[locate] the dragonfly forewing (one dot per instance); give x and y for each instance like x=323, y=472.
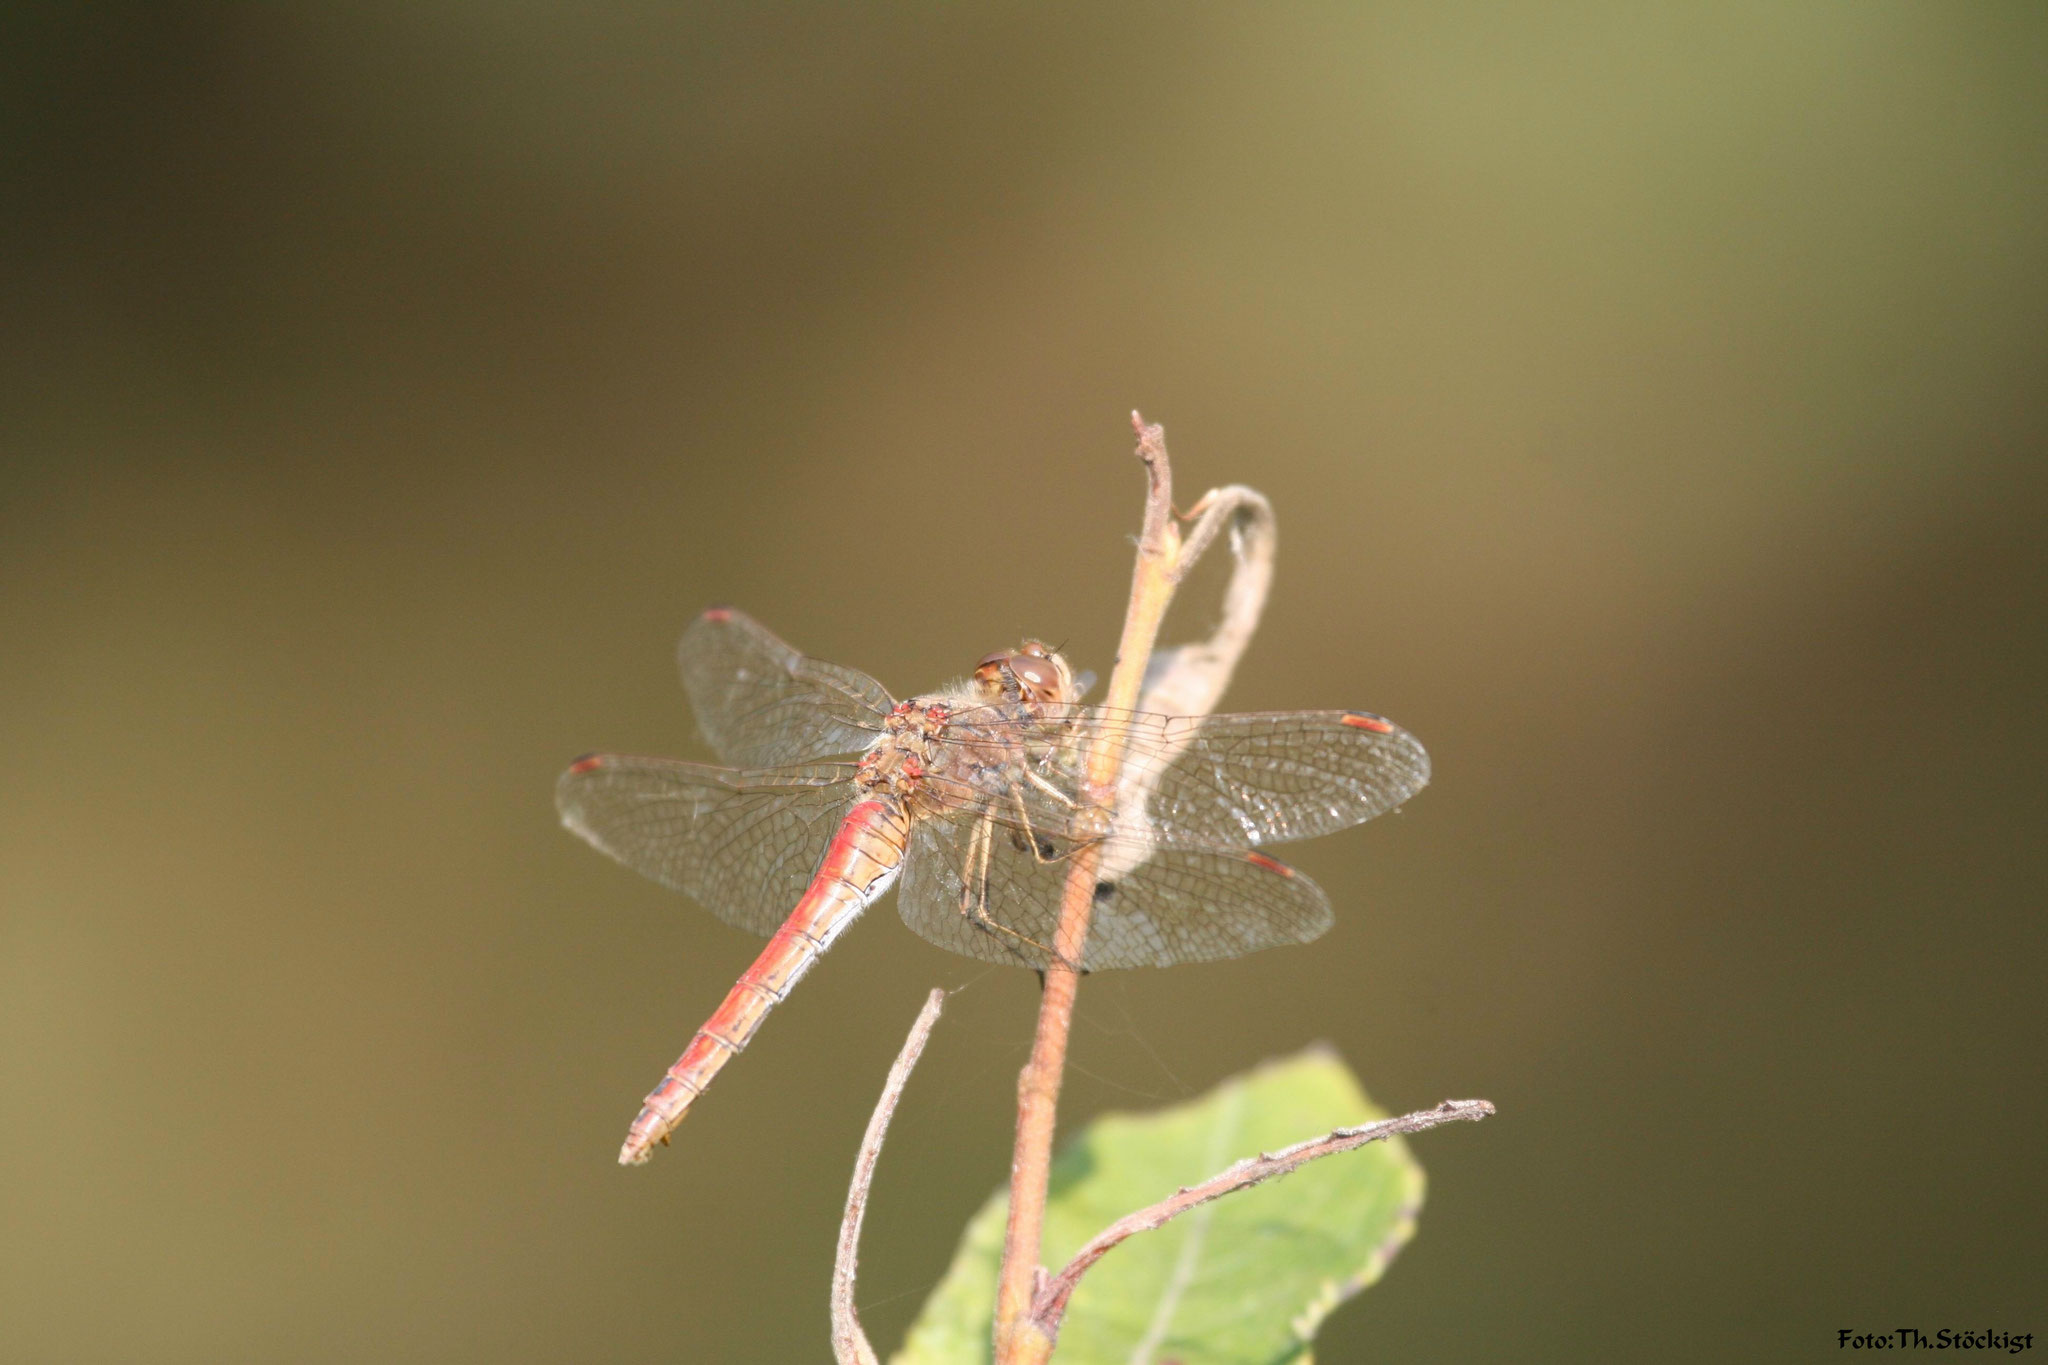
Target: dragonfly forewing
x=1241, y=780
x=761, y=703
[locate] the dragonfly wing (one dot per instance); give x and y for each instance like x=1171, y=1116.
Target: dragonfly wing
x=1172, y=905
x=1269, y=778
x=762, y=704
x=1229, y=781
x=743, y=844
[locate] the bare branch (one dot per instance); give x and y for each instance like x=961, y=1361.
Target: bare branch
x=1018, y=1339
x=1052, y=1299
x=1188, y=680
x=849, y=1343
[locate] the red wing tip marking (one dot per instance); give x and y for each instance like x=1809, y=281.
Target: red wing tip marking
x=719, y=614
x=1270, y=864
x=1359, y=720
x=587, y=763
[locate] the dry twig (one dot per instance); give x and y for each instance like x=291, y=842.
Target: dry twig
x=1188, y=680
x=1190, y=685
x=1052, y=1299
x=850, y=1344
x=1184, y=681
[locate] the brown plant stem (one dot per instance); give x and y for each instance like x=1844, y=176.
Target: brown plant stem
x=1019, y=1339
x=1051, y=1306
x=849, y=1343
x=1188, y=680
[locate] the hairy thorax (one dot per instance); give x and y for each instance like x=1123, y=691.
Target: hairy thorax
x=945, y=751
x=908, y=751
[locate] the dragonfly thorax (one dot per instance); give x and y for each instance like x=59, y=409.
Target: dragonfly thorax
x=907, y=751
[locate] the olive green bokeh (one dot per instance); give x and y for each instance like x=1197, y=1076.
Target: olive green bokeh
x=1652, y=402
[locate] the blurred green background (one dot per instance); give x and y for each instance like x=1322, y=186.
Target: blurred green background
x=1653, y=402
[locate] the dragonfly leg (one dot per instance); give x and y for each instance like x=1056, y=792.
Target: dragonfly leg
x=984, y=838
x=1050, y=790
x=974, y=894
x=1036, y=846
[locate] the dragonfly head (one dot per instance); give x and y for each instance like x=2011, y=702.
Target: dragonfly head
x=1033, y=674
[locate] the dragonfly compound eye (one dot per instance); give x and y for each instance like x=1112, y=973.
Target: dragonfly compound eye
x=989, y=672
x=1035, y=674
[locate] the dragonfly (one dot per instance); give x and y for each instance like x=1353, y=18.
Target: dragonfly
x=977, y=797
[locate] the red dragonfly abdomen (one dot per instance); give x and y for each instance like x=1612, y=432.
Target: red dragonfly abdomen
x=860, y=862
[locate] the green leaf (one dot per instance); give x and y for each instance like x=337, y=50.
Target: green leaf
x=1244, y=1280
